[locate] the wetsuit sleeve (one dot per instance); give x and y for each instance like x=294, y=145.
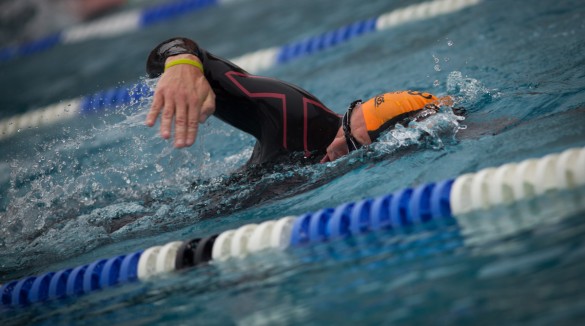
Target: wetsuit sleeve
x=155, y=64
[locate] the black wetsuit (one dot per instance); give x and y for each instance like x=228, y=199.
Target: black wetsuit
x=283, y=118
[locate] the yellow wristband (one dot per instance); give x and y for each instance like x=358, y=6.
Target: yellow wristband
x=185, y=62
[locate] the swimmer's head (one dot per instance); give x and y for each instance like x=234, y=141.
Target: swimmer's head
x=364, y=122
x=384, y=111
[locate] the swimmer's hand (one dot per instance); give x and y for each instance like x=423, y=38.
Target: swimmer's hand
x=182, y=93
x=337, y=148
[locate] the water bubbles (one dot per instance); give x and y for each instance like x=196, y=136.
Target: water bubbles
x=468, y=91
x=436, y=83
x=449, y=43
x=437, y=60
x=158, y=168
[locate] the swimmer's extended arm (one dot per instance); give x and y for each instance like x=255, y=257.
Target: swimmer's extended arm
x=182, y=93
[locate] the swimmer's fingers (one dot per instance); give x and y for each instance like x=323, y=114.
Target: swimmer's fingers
x=336, y=149
x=331, y=155
x=192, y=123
x=208, y=107
x=199, y=111
x=167, y=118
x=155, y=108
x=181, y=116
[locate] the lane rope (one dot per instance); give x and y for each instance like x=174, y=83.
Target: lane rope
x=451, y=199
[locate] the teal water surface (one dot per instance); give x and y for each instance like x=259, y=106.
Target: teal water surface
x=104, y=185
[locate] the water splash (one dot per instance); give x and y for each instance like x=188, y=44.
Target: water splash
x=469, y=92
x=79, y=187
x=434, y=132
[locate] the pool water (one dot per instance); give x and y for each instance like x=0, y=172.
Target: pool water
x=104, y=184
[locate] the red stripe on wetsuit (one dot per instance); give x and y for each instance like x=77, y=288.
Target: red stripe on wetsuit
x=283, y=98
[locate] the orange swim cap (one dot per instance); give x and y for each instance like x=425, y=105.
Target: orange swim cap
x=385, y=110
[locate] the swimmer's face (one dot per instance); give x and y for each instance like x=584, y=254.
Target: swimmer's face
x=338, y=146
x=358, y=126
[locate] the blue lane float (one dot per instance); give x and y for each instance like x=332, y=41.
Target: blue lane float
x=169, y=11
x=447, y=200
x=324, y=41
x=39, y=291
x=400, y=209
x=114, y=97
x=91, y=279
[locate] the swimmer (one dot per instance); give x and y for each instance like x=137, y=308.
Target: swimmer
x=285, y=119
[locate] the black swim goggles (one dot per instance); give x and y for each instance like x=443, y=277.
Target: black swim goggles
x=352, y=143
